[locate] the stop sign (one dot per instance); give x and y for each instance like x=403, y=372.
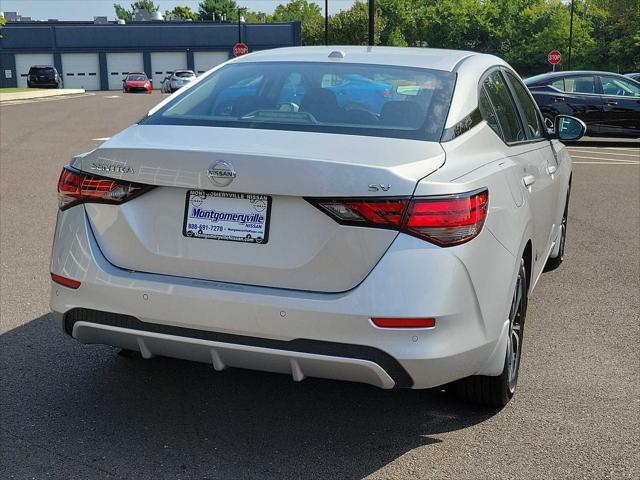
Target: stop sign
x=240, y=49
x=554, y=57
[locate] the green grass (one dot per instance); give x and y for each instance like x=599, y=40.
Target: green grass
x=13, y=90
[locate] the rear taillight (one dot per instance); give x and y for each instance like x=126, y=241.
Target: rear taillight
x=445, y=220
x=381, y=213
x=76, y=187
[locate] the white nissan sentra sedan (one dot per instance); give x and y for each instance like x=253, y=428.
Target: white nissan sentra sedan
x=376, y=215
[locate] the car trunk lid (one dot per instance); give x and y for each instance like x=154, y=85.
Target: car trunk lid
x=306, y=249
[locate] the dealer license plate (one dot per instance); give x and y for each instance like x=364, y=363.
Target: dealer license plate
x=235, y=217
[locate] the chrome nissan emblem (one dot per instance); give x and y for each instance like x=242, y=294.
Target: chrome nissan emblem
x=221, y=173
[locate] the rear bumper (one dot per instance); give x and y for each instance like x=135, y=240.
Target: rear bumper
x=137, y=89
x=300, y=358
x=32, y=84
x=296, y=332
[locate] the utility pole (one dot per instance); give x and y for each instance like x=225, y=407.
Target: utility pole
x=372, y=22
x=239, y=27
x=326, y=22
x=570, y=37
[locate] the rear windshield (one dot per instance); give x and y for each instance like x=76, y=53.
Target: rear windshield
x=185, y=74
x=356, y=99
x=137, y=78
x=41, y=71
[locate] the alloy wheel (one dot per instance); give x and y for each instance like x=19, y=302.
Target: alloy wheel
x=516, y=330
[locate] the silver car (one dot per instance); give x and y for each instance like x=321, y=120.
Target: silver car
x=177, y=80
x=377, y=215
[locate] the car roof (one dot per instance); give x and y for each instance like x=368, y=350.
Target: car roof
x=433, y=58
x=136, y=73
x=543, y=77
x=183, y=70
x=42, y=66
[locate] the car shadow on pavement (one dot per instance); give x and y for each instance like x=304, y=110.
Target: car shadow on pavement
x=71, y=410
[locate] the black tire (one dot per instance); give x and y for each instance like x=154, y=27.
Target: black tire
x=495, y=392
x=554, y=262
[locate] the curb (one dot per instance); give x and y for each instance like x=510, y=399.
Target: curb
x=8, y=97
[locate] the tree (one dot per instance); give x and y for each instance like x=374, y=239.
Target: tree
x=401, y=22
x=182, y=12
x=545, y=27
x=616, y=34
x=2, y=22
x=310, y=16
x=257, y=17
x=351, y=27
x=127, y=15
x=122, y=13
x=147, y=5
x=208, y=9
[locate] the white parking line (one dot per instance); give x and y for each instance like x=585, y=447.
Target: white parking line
x=621, y=160
x=604, y=163
x=101, y=139
x=610, y=160
x=595, y=152
x=631, y=145
x=8, y=103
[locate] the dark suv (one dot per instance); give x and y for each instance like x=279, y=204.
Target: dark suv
x=43, y=76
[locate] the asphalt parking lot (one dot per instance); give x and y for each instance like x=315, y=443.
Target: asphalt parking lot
x=74, y=411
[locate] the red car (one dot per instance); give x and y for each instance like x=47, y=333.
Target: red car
x=137, y=82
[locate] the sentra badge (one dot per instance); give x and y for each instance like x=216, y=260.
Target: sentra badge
x=111, y=168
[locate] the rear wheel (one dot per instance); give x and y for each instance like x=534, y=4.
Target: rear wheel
x=497, y=391
x=555, y=261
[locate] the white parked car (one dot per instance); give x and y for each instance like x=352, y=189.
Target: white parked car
x=373, y=215
x=177, y=80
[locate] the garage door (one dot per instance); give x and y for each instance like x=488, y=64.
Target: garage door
x=164, y=63
x=204, y=61
x=24, y=61
x=120, y=64
x=81, y=70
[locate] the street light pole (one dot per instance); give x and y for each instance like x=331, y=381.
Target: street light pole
x=372, y=22
x=326, y=22
x=570, y=37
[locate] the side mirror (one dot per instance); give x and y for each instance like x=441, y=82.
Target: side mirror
x=569, y=128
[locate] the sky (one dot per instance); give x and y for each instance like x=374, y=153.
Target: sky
x=87, y=9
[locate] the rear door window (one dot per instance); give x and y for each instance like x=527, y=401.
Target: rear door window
x=505, y=108
x=529, y=108
x=619, y=87
x=42, y=71
x=487, y=112
x=582, y=84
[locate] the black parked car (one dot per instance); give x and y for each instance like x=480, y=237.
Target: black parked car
x=607, y=102
x=43, y=76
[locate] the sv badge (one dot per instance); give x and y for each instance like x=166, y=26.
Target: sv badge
x=376, y=187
